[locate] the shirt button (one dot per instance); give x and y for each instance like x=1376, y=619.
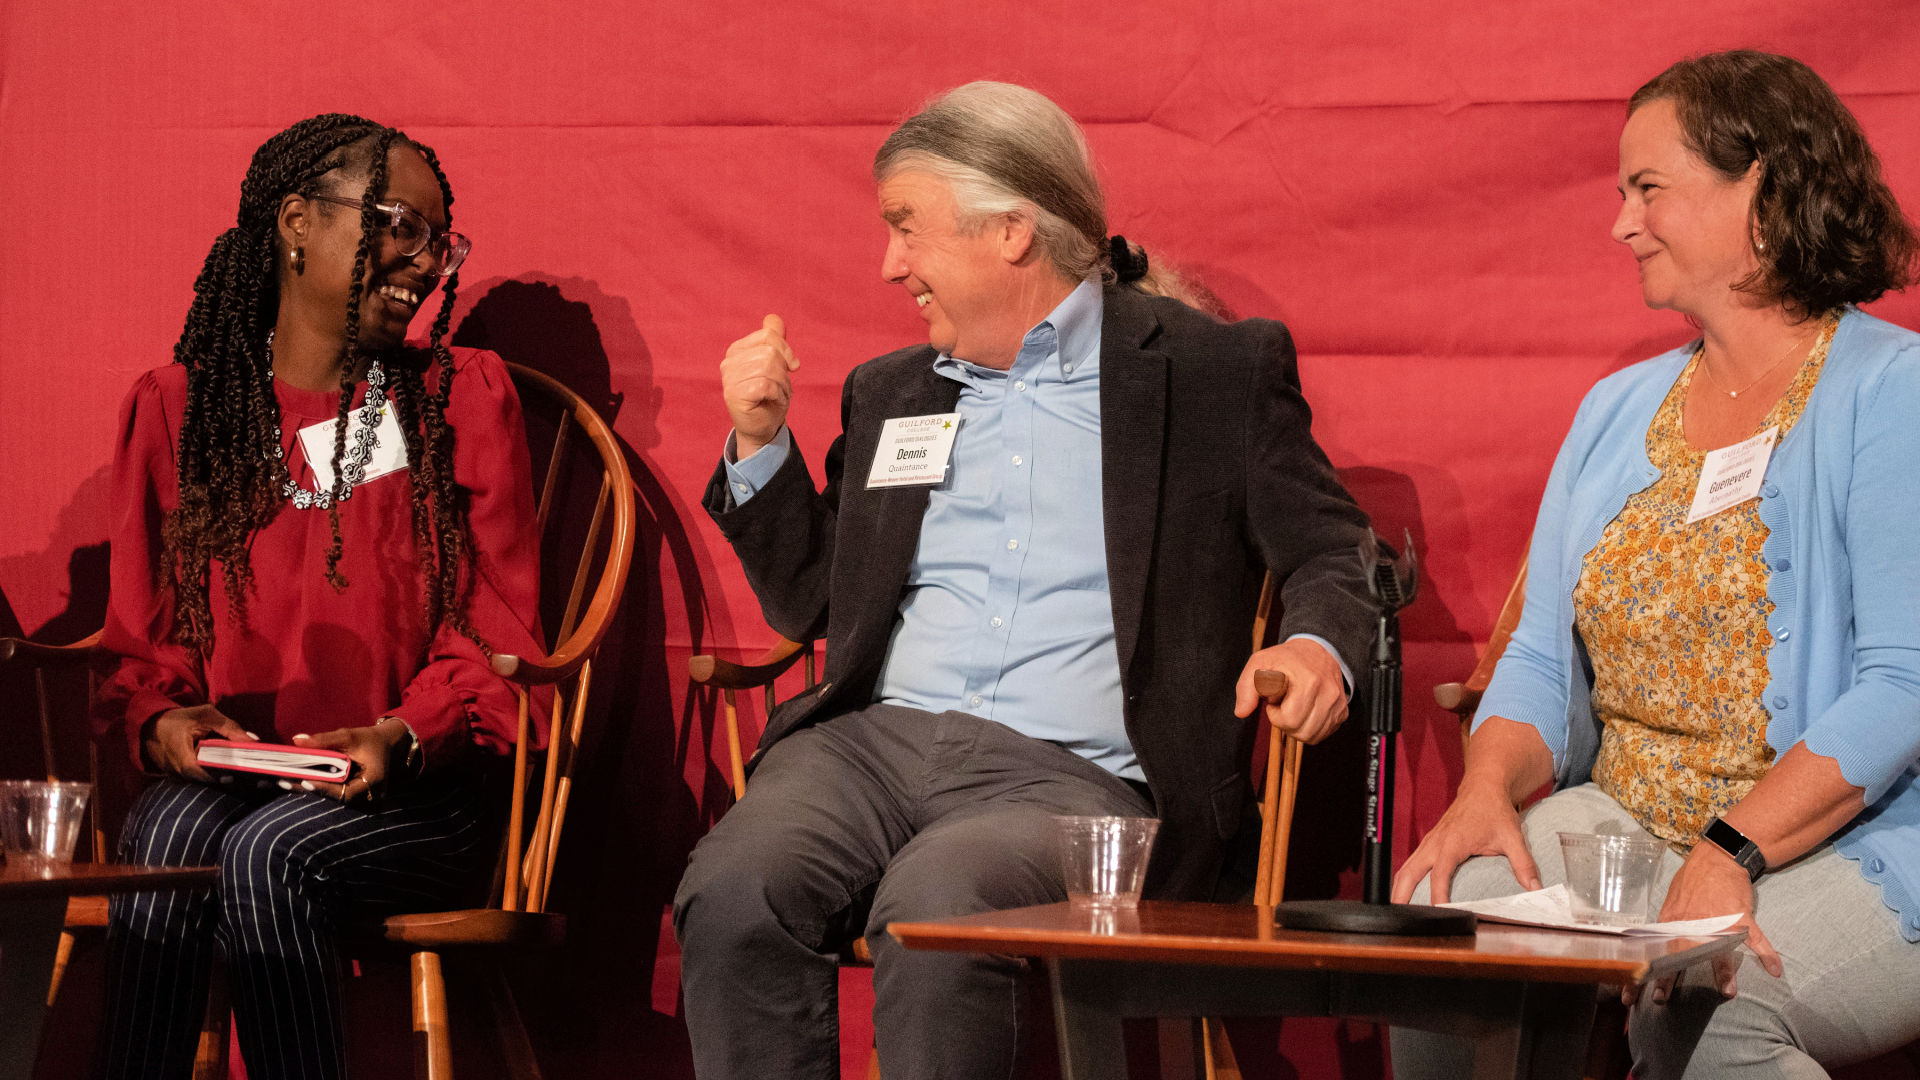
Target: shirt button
x=974, y=701
x=1016, y=459
x=1780, y=701
x=1021, y=385
x=996, y=620
x=743, y=489
x=1068, y=368
x=1013, y=545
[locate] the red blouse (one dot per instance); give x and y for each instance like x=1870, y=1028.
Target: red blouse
x=311, y=659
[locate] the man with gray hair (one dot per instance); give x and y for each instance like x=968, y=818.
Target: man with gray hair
x=1034, y=562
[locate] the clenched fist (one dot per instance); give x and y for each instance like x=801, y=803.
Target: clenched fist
x=756, y=385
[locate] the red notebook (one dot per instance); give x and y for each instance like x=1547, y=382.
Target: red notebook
x=275, y=759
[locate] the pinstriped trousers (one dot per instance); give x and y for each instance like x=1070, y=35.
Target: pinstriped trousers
x=294, y=869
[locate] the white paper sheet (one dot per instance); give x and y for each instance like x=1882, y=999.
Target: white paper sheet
x=1551, y=907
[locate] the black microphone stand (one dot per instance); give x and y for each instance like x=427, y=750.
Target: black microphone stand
x=1393, y=582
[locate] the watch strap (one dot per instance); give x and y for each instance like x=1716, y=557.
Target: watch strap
x=1735, y=843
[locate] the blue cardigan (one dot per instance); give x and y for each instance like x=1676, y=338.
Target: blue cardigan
x=1842, y=500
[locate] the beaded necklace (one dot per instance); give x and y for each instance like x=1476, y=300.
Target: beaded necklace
x=353, y=466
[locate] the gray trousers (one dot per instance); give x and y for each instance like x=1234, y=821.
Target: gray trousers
x=1851, y=989
x=923, y=817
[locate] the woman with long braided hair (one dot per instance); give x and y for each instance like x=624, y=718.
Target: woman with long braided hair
x=302, y=455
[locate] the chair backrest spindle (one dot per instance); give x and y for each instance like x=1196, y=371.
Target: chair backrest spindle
x=545, y=501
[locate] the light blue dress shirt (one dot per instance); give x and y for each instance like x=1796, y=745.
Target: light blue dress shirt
x=1006, y=612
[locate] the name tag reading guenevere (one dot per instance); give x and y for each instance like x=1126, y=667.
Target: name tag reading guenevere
x=913, y=450
x=1732, y=474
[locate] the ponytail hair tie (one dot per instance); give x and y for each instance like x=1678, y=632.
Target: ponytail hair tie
x=1129, y=266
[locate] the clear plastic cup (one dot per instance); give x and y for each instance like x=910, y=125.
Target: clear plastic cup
x=1104, y=859
x=1610, y=877
x=40, y=820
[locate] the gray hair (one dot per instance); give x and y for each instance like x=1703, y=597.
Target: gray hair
x=1005, y=149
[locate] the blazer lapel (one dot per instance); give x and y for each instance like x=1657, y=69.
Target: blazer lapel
x=1133, y=415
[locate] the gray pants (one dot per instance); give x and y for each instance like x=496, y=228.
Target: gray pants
x=927, y=817
x=1851, y=989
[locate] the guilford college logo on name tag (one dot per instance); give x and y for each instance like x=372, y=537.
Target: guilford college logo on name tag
x=913, y=450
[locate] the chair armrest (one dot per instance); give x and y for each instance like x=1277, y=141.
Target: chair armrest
x=1457, y=698
x=79, y=654
x=1463, y=698
x=532, y=671
x=710, y=670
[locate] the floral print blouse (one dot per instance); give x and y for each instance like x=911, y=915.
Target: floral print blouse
x=1674, y=618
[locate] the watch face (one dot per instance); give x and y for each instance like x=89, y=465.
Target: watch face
x=1734, y=843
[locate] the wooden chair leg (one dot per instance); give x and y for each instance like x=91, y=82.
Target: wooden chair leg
x=1221, y=1064
x=516, y=1050
x=216, y=1030
x=60, y=957
x=1608, y=1057
x=432, y=1046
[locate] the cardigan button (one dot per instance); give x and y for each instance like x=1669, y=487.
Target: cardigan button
x=1780, y=701
x=1877, y=866
x=1782, y=634
x=1771, y=491
x=1783, y=563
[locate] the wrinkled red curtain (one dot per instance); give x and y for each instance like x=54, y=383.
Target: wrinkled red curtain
x=1421, y=190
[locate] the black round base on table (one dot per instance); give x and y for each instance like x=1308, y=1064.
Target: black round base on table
x=1356, y=917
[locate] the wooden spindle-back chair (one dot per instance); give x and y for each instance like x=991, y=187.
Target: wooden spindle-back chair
x=536, y=814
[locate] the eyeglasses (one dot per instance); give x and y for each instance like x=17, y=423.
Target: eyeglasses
x=412, y=234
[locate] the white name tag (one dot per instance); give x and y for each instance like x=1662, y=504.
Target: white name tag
x=913, y=450
x=1731, y=475
x=389, y=448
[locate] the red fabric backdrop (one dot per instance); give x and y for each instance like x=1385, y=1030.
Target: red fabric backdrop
x=1422, y=190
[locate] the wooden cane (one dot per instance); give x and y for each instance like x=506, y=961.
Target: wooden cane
x=1272, y=686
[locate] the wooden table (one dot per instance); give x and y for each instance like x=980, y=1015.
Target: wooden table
x=1525, y=996
x=33, y=909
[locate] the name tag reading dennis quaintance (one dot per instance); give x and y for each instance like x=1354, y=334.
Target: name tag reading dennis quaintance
x=913, y=450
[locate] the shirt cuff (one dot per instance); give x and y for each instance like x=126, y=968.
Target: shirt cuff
x=1345, y=672
x=746, y=478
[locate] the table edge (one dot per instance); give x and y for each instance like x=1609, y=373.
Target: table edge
x=1227, y=952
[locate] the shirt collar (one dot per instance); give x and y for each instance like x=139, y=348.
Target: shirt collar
x=1070, y=332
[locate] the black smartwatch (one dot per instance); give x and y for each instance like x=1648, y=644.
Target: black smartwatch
x=1735, y=843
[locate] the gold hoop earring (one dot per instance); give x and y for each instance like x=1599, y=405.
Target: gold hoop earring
x=298, y=257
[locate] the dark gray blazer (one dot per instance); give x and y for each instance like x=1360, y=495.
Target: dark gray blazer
x=1210, y=476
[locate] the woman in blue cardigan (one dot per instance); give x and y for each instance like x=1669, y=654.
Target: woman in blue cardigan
x=1728, y=659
